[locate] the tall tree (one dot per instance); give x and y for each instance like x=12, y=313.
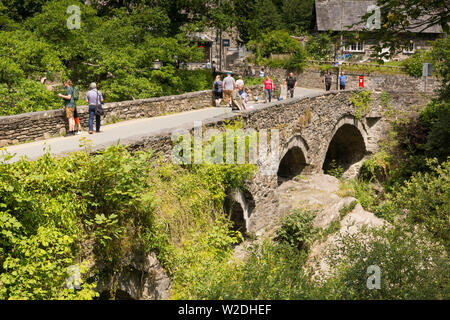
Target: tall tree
x=256, y=17
x=297, y=14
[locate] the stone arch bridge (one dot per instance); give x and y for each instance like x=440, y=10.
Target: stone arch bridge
x=316, y=132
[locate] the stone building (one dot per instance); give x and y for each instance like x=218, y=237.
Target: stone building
x=344, y=15
x=226, y=55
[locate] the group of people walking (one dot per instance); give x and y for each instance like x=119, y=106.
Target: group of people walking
x=231, y=91
x=94, y=98
x=235, y=95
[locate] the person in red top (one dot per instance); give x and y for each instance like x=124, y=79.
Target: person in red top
x=269, y=85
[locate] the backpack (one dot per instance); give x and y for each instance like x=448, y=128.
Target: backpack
x=216, y=86
x=76, y=94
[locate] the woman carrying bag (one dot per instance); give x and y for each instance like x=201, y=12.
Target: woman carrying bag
x=95, y=99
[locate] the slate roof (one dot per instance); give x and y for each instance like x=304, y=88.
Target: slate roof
x=332, y=15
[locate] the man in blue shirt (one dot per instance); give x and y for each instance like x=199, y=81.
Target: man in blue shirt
x=94, y=98
x=342, y=80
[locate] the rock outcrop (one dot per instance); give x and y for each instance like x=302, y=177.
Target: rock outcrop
x=141, y=278
x=318, y=192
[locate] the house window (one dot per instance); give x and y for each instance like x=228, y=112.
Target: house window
x=410, y=48
x=354, y=47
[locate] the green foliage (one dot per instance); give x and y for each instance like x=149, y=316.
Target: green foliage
x=414, y=64
x=376, y=167
x=270, y=272
x=36, y=268
x=278, y=41
x=28, y=96
x=412, y=267
x=435, y=118
x=335, y=169
x=58, y=212
x=256, y=17
x=361, y=100
x=385, y=99
x=297, y=229
x=440, y=55
x=116, y=51
x=425, y=199
x=297, y=15
x=319, y=47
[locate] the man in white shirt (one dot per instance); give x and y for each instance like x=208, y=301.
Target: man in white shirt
x=229, y=84
x=240, y=82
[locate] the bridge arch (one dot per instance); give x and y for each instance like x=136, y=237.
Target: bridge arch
x=239, y=205
x=347, y=144
x=293, y=160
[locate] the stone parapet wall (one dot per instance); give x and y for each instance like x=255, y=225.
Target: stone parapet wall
x=377, y=82
x=46, y=124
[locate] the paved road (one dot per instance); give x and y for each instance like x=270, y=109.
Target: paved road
x=112, y=134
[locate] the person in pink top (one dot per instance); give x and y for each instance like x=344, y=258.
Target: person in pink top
x=269, y=85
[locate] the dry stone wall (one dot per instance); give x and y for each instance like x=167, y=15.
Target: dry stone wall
x=376, y=82
x=45, y=124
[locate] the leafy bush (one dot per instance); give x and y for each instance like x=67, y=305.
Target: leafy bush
x=278, y=41
x=335, y=169
x=59, y=212
x=411, y=268
x=411, y=265
x=319, y=47
x=361, y=100
x=297, y=229
x=414, y=64
x=362, y=191
x=435, y=118
x=27, y=96
x=425, y=199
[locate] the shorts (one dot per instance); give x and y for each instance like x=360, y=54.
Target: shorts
x=218, y=95
x=342, y=86
x=227, y=95
x=70, y=112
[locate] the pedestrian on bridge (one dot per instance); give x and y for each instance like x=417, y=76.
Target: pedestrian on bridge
x=69, y=105
x=291, y=84
x=240, y=82
x=236, y=100
x=229, y=84
x=95, y=99
x=328, y=79
x=269, y=86
x=218, y=90
x=342, y=81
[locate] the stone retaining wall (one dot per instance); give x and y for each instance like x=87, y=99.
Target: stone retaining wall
x=377, y=82
x=45, y=124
